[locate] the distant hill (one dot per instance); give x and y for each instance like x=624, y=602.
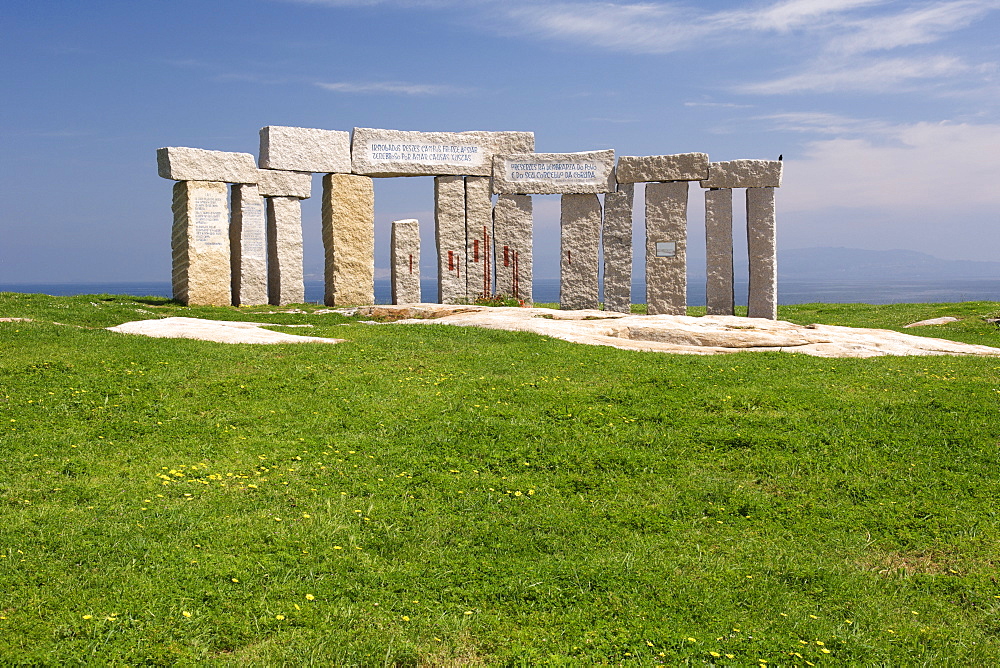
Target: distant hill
x=857, y=264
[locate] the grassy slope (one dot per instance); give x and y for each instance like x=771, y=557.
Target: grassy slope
x=426, y=494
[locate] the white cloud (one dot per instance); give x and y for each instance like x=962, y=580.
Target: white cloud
x=888, y=74
x=388, y=87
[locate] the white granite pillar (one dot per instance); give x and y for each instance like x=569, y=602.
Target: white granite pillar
x=719, y=251
x=580, y=233
x=666, y=248
x=449, y=237
x=200, y=244
x=348, y=239
x=478, y=237
x=285, y=280
x=248, y=245
x=404, y=249
x=762, y=248
x=617, y=241
x=512, y=227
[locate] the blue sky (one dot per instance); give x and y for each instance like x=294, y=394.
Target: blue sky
x=887, y=112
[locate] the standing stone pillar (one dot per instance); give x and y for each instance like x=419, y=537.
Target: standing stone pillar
x=200, y=244
x=666, y=248
x=478, y=237
x=349, y=239
x=719, y=251
x=248, y=245
x=449, y=237
x=285, y=280
x=512, y=223
x=617, y=240
x=404, y=249
x=580, y=233
x=763, y=300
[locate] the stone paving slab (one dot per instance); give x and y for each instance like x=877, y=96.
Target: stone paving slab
x=219, y=331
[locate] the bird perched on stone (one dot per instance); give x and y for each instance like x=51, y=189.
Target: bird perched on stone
x=780, y=157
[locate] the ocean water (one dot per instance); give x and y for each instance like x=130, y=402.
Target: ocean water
x=547, y=290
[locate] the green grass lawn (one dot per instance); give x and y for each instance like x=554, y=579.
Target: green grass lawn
x=433, y=495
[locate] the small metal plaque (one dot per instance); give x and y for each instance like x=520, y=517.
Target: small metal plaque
x=666, y=248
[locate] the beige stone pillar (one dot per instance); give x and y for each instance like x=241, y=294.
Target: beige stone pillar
x=719, y=251
x=349, y=239
x=666, y=248
x=617, y=240
x=200, y=244
x=449, y=237
x=478, y=237
x=248, y=245
x=762, y=248
x=404, y=249
x=285, y=280
x=512, y=227
x=580, y=233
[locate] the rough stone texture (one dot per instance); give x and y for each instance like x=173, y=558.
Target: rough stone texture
x=617, y=237
x=944, y=320
x=220, y=331
x=707, y=335
x=449, y=238
x=248, y=245
x=512, y=228
x=197, y=164
x=762, y=249
x=349, y=239
x=554, y=173
x=404, y=251
x=200, y=244
x=666, y=220
x=678, y=167
x=478, y=237
x=407, y=153
x=305, y=149
x=285, y=282
x=279, y=183
x=743, y=174
x=580, y=233
x=719, y=251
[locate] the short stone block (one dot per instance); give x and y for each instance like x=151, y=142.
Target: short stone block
x=200, y=244
x=512, y=246
x=720, y=298
x=617, y=237
x=196, y=164
x=743, y=174
x=478, y=237
x=588, y=172
x=404, y=249
x=248, y=245
x=762, y=249
x=285, y=280
x=580, y=233
x=305, y=149
x=377, y=152
x=666, y=248
x=349, y=239
x=678, y=167
x=449, y=238
x=279, y=183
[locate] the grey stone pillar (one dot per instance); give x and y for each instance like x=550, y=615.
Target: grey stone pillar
x=404, y=249
x=285, y=281
x=248, y=245
x=763, y=300
x=580, y=233
x=719, y=251
x=200, y=244
x=478, y=237
x=666, y=248
x=449, y=237
x=512, y=226
x=348, y=240
x=617, y=239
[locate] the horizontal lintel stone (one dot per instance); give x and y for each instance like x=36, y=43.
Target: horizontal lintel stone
x=407, y=153
x=281, y=183
x=305, y=149
x=589, y=172
x=743, y=174
x=650, y=168
x=197, y=164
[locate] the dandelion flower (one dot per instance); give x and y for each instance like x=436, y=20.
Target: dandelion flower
x=405, y=618
x=310, y=597
x=186, y=613
x=235, y=580
x=88, y=616
x=467, y=612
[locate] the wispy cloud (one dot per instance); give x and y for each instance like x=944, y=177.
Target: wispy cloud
x=719, y=105
x=877, y=75
x=389, y=88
